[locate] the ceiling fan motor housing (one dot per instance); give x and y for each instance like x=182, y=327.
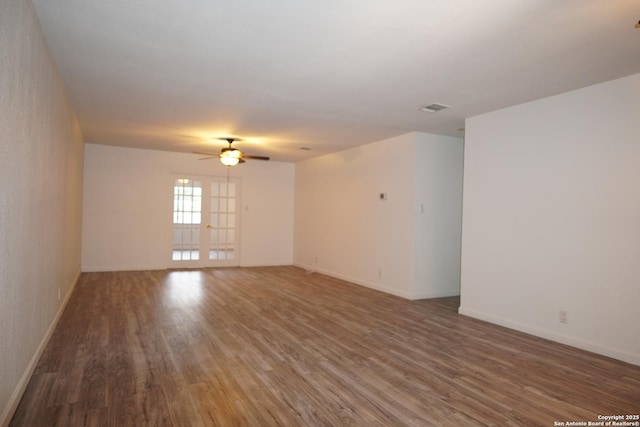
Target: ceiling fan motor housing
x=231, y=152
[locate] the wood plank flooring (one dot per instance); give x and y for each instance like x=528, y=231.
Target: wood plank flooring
x=275, y=346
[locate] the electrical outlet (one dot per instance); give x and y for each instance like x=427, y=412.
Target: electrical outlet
x=562, y=317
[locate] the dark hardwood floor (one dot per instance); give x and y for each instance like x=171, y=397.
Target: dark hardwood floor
x=276, y=346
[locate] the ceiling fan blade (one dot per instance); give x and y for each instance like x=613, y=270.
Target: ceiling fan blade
x=255, y=157
x=205, y=153
x=207, y=158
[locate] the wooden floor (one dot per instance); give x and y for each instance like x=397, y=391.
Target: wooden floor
x=277, y=346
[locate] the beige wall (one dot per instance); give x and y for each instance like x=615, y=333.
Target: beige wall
x=41, y=156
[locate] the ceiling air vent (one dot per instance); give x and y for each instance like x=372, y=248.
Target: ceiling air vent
x=434, y=108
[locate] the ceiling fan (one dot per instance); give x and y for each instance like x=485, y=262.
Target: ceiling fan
x=230, y=156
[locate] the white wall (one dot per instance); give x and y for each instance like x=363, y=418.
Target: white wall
x=128, y=199
x=343, y=229
x=40, y=199
x=437, y=215
x=552, y=218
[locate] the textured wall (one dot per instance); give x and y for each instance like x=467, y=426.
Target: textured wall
x=40, y=196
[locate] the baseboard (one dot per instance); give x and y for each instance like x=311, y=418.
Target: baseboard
x=552, y=336
x=14, y=400
x=260, y=265
x=406, y=295
x=437, y=294
x=98, y=269
x=355, y=281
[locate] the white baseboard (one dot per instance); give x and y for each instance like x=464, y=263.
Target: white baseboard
x=436, y=294
x=359, y=282
x=552, y=336
x=14, y=400
x=259, y=265
x=98, y=269
x=377, y=287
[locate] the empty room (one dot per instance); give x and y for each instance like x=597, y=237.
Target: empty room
x=297, y=213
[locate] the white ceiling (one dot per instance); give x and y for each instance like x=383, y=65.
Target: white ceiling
x=285, y=74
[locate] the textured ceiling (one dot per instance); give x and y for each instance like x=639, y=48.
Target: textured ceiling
x=175, y=74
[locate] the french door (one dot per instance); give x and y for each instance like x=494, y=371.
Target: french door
x=205, y=221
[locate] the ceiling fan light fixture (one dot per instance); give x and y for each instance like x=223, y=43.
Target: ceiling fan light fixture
x=230, y=156
x=229, y=161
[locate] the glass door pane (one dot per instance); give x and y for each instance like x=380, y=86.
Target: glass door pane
x=187, y=219
x=222, y=220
